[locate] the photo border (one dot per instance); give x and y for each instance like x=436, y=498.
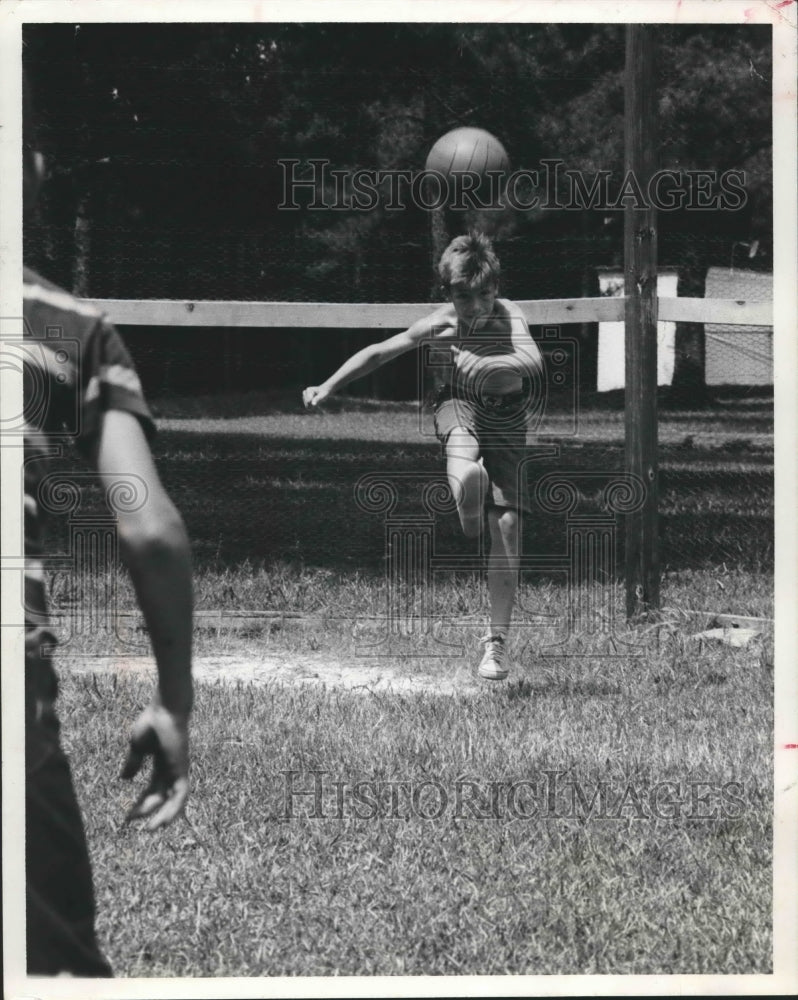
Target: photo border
x=782, y=15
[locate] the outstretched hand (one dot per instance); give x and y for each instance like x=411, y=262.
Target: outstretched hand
x=159, y=733
x=313, y=395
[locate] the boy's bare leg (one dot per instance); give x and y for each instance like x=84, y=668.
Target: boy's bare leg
x=503, y=563
x=468, y=479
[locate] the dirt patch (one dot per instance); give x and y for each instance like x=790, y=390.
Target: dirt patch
x=361, y=675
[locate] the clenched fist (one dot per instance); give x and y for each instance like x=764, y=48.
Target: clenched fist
x=313, y=395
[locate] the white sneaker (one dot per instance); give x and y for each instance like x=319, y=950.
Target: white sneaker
x=493, y=666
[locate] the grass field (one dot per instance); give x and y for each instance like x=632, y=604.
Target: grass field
x=607, y=810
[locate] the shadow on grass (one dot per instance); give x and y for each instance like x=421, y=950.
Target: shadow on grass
x=253, y=498
x=261, y=498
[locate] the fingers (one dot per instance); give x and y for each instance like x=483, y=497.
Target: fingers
x=172, y=807
x=166, y=815
x=162, y=806
x=132, y=764
x=313, y=396
x=145, y=804
x=143, y=741
x=158, y=734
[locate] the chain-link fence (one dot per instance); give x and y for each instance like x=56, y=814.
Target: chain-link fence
x=174, y=210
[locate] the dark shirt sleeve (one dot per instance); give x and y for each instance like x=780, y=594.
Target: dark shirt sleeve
x=108, y=382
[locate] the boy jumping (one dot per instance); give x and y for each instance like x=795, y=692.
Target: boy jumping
x=481, y=413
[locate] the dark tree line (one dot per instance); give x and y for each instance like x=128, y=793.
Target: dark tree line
x=165, y=142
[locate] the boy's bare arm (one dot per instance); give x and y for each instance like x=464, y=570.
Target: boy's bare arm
x=155, y=548
x=375, y=355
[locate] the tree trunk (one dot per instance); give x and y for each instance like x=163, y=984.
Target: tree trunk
x=439, y=231
x=82, y=240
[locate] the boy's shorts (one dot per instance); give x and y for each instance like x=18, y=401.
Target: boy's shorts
x=500, y=426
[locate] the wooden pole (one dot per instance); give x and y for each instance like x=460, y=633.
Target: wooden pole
x=640, y=288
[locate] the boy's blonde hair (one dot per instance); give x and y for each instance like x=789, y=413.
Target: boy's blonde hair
x=469, y=260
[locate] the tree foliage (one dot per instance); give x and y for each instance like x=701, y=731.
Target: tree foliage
x=172, y=136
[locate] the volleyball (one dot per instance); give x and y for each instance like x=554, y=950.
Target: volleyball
x=470, y=150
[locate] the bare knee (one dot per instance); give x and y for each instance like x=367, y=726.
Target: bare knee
x=461, y=444
x=504, y=528
x=154, y=532
x=506, y=520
